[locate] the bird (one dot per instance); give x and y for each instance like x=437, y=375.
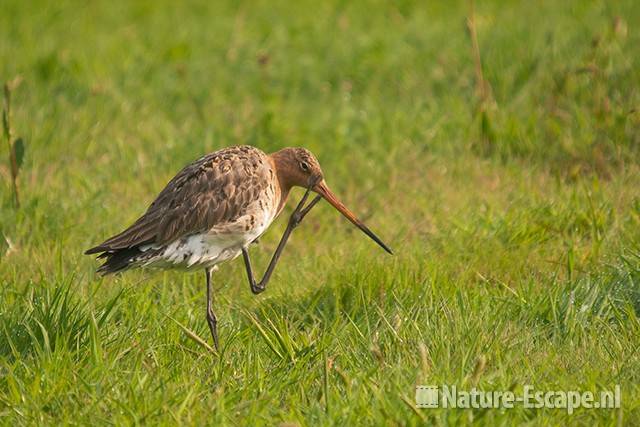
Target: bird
x=214, y=208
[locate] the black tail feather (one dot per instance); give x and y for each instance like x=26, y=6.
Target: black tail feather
x=118, y=260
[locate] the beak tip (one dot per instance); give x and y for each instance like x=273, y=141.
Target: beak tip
x=383, y=245
x=322, y=189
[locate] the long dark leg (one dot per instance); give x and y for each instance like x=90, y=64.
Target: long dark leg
x=295, y=219
x=211, y=317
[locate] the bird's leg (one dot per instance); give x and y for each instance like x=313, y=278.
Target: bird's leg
x=298, y=214
x=211, y=317
x=296, y=217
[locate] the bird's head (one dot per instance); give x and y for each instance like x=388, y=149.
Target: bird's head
x=299, y=167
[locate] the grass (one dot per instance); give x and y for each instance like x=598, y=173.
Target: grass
x=515, y=219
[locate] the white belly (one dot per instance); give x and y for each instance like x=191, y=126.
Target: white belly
x=206, y=250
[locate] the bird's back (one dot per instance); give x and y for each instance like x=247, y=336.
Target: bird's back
x=205, y=215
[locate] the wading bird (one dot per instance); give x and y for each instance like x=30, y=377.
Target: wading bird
x=214, y=208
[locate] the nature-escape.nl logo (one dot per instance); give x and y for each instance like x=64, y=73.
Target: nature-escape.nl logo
x=448, y=396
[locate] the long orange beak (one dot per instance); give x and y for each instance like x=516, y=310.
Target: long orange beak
x=322, y=189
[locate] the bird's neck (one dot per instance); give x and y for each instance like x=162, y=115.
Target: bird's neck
x=281, y=166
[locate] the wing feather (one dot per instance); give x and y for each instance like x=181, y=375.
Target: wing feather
x=212, y=191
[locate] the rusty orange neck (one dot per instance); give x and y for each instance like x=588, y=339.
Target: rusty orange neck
x=282, y=165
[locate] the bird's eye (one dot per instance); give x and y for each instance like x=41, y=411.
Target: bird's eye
x=304, y=166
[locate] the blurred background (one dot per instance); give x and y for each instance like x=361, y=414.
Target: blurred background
x=392, y=97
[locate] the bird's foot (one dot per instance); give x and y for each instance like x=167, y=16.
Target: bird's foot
x=301, y=211
x=257, y=288
x=296, y=219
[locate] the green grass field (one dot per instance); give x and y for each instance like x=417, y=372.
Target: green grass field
x=515, y=218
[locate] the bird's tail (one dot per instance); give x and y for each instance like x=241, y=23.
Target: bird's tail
x=119, y=260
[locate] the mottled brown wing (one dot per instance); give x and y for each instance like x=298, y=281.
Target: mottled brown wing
x=213, y=190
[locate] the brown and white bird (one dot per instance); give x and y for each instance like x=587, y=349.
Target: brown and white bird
x=214, y=208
